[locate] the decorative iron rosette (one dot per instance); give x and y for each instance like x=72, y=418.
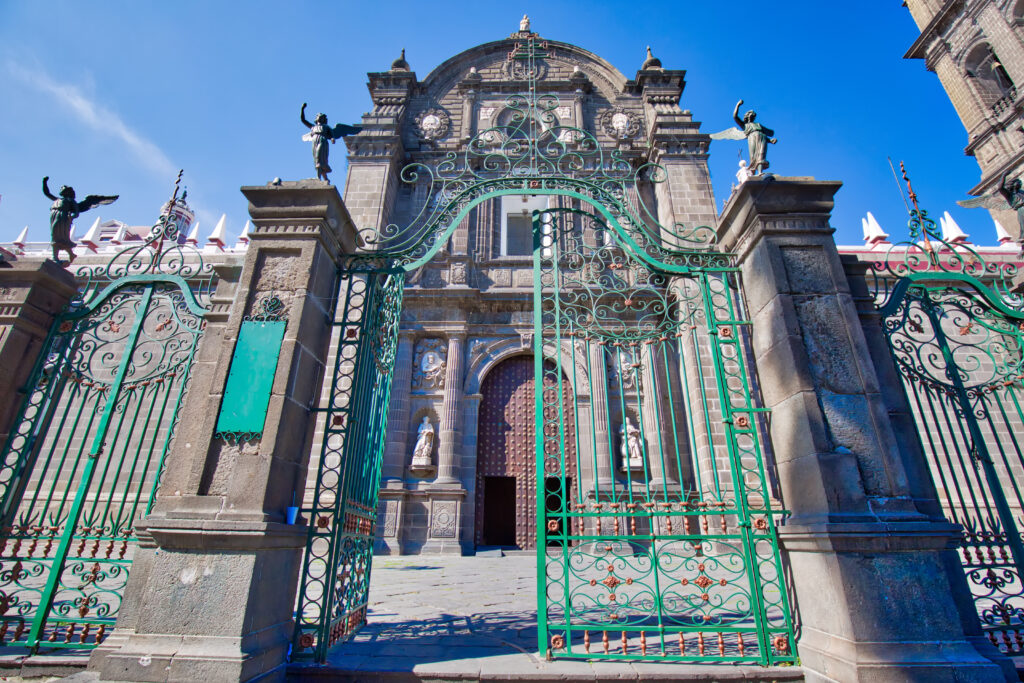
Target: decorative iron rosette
x=433, y=124
x=621, y=124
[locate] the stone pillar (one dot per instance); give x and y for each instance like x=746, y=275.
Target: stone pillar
x=660, y=449
x=450, y=434
x=873, y=595
x=31, y=296
x=599, y=399
x=212, y=587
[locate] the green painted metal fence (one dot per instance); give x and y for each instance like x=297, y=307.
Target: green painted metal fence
x=82, y=464
x=956, y=335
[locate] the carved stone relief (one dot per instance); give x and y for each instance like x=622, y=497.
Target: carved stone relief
x=621, y=124
x=429, y=365
x=391, y=519
x=458, y=274
x=442, y=518
x=433, y=124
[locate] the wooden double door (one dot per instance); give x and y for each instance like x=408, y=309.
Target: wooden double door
x=506, y=468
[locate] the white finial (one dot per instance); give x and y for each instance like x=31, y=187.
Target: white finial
x=193, y=235
x=1001, y=234
x=20, y=242
x=524, y=25
x=951, y=232
x=219, y=232
x=873, y=233
x=244, y=237
x=93, y=235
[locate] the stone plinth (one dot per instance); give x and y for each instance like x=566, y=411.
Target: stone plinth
x=31, y=296
x=868, y=567
x=212, y=587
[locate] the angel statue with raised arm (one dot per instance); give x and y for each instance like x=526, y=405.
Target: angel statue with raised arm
x=320, y=133
x=63, y=212
x=1009, y=195
x=758, y=138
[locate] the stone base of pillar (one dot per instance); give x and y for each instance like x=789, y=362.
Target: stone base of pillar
x=882, y=593
x=390, y=516
x=222, y=611
x=444, y=529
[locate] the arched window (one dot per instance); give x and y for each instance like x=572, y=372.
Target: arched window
x=988, y=76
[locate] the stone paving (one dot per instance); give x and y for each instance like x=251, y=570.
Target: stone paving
x=445, y=618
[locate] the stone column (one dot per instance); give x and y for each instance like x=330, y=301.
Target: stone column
x=396, y=450
x=31, y=296
x=660, y=449
x=599, y=399
x=212, y=587
x=450, y=434
x=873, y=595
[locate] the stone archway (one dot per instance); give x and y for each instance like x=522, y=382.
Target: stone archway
x=506, y=463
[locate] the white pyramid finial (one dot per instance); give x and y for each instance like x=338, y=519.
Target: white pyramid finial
x=873, y=233
x=951, y=232
x=219, y=232
x=20, y=242
x=193, y=235
x=1001, y=234
x=244, y=237
x=92, y=235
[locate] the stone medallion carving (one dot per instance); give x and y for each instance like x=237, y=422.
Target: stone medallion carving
x=621, y=124
x=428, y=373
x=433, y=124
x=442, y=518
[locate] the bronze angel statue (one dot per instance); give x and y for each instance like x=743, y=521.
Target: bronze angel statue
x=64, y=211
x=1008, y=196
x=320, y=133
x=758, y=138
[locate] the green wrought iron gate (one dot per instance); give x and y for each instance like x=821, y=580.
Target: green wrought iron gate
x=334, y=582
x=664, y=543
x=957, y=340
x=82, y=464
x=664, y=546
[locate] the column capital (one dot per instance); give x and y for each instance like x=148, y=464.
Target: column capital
x=774, y=205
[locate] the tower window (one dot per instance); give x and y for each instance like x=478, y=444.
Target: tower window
x=517, y=223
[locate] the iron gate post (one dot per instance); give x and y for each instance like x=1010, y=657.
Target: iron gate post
x=867, y=566
x=212, y=592
x=30, y=298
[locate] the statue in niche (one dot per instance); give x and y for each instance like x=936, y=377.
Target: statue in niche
x=424, y=444
x=64, y=210
x=631, y=450
x=320, y=133
x=758, y=138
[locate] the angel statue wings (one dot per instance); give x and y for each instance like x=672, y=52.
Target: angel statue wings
x=320, y=133
x=758, y=138
x=1009, y=195
x=63, y=212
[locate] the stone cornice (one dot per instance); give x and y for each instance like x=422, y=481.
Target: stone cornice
x=301, y=209
x=939, y=23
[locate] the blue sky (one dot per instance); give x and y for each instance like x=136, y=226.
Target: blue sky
x=114, y=97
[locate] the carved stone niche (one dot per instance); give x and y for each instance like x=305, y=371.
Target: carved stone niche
x=429, y=365
x=422, y=464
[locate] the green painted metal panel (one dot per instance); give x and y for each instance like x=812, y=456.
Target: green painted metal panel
x=251, y=377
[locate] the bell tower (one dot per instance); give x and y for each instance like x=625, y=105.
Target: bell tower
x=977, y=51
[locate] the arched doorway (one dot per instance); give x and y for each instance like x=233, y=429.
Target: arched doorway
x=506, y=484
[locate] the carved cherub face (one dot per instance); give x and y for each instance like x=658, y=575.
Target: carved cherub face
x=67, y=192
x=749, y=116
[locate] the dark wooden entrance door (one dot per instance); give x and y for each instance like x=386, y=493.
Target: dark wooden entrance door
x=506, y=451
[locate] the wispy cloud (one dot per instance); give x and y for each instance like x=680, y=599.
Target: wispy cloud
x=95, y=116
